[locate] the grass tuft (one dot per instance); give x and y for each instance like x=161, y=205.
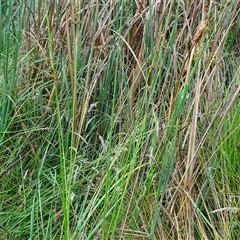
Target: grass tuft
x=119, y=119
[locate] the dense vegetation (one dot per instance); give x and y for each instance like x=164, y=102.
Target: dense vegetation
x=119, y=120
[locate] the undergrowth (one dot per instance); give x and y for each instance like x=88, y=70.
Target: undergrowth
x=119, y=120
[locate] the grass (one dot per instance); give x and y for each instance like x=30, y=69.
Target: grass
x=119, y=120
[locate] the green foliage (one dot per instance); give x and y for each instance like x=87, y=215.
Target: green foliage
x=117, y=122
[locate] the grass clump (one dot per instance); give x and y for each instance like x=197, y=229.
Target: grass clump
x=119, y=120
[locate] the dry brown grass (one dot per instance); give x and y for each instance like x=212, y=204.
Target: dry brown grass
x=132, y=70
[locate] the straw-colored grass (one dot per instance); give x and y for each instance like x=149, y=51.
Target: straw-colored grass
x=119, y=120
